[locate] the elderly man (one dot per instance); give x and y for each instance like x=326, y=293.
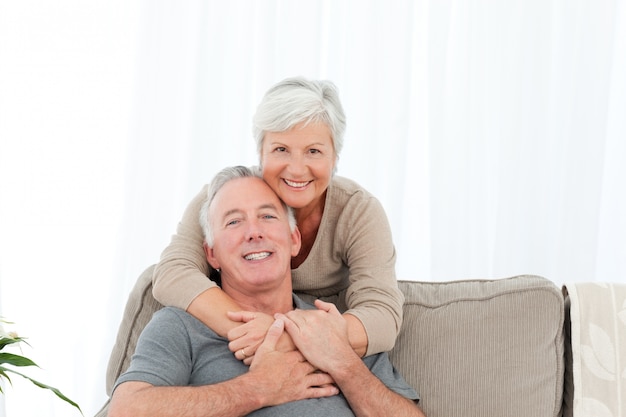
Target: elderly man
x=182, y=368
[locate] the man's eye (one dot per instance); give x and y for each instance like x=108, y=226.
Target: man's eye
x=269, y=216
x=232, y=222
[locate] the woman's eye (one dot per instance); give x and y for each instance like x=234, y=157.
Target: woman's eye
x=280, y=149
x=315, y=151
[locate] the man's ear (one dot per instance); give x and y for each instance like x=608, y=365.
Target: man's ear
x=296, y=239
x=210, y=257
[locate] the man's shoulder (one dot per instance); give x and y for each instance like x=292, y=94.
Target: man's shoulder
x=301, y=304
x=174, y=319
x=169, y=313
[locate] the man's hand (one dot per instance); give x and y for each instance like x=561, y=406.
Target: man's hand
x=274, y=378
x=321, y=335
x=286, y=376
x=246, y=338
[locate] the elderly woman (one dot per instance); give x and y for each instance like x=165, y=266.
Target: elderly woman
x=347, y=253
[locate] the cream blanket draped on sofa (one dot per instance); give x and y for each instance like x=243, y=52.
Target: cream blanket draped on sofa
x=596, y=377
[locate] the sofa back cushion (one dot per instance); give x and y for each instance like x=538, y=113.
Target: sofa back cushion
x=470, y=348
x=483, y=347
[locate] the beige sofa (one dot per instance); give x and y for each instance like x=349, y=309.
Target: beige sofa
x=483, y=348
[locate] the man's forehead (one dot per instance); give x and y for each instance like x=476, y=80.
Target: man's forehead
x=244, y=193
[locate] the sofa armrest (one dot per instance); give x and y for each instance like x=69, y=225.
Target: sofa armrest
x=139, y=309
x=595, y=328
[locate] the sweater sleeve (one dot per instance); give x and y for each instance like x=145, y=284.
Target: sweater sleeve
x=182, y=272
x=373, y=295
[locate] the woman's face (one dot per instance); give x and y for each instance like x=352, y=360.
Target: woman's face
x=298, y=164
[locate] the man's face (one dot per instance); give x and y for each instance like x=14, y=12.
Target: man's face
x=252, y=242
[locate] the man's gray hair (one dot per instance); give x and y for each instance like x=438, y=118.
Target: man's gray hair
x=221, y=179
x=296, y=100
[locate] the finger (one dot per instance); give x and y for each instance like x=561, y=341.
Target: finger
x=300, y=357
x=290, y=326
x=237, y=344
x=241, y=316
x=240, y=331
x=248, y=353
x=240, y=354
x=295, y=318
x=327, y=307
x=273, y=334
x=243, y=342
x=318, y=379
x=322, y=391
x=236, y=333
x=280, y=316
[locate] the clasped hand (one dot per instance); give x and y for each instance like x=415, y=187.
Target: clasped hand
x=246, y=339
x=286, y=376
x=321, y=335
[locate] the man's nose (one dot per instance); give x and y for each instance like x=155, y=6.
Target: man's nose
x=255, y=231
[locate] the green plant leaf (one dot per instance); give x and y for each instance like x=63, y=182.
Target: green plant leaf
x=15, y=360
x=4, y=341
x=42, y=385
x=4, y=375
x=18, y=360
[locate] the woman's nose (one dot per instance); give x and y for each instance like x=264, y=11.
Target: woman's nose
x=297, y=164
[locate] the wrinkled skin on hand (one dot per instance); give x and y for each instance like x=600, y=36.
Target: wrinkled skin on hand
x=287, y=376
x=321, y=335
x=249, y=336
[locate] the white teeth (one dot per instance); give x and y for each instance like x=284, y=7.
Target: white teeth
x=257, y=256
x=296, y=184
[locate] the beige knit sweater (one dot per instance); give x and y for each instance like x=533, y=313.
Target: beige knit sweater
x=352, y=263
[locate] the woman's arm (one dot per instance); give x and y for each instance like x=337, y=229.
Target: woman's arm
x=245, y=330
x=356, y=334
x=354, y=258
x=182, y=272
x=373, y=296
x=211, y=308
x=322, y=338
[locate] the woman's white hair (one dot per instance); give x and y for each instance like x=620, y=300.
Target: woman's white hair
x=298, y=100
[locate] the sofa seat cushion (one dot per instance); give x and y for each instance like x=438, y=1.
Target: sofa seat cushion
x=483, y=347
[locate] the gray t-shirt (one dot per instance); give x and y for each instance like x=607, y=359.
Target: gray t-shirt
x=176, y=349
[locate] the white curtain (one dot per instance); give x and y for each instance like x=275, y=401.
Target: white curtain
x=493, y=132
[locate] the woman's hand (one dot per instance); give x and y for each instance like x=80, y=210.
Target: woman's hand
x=246, y=338
x=320, y=335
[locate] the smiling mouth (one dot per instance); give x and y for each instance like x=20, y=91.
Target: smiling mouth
x=296, y=184
x=256, y=256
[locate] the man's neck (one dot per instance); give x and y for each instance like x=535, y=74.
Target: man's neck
x=270, y=301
